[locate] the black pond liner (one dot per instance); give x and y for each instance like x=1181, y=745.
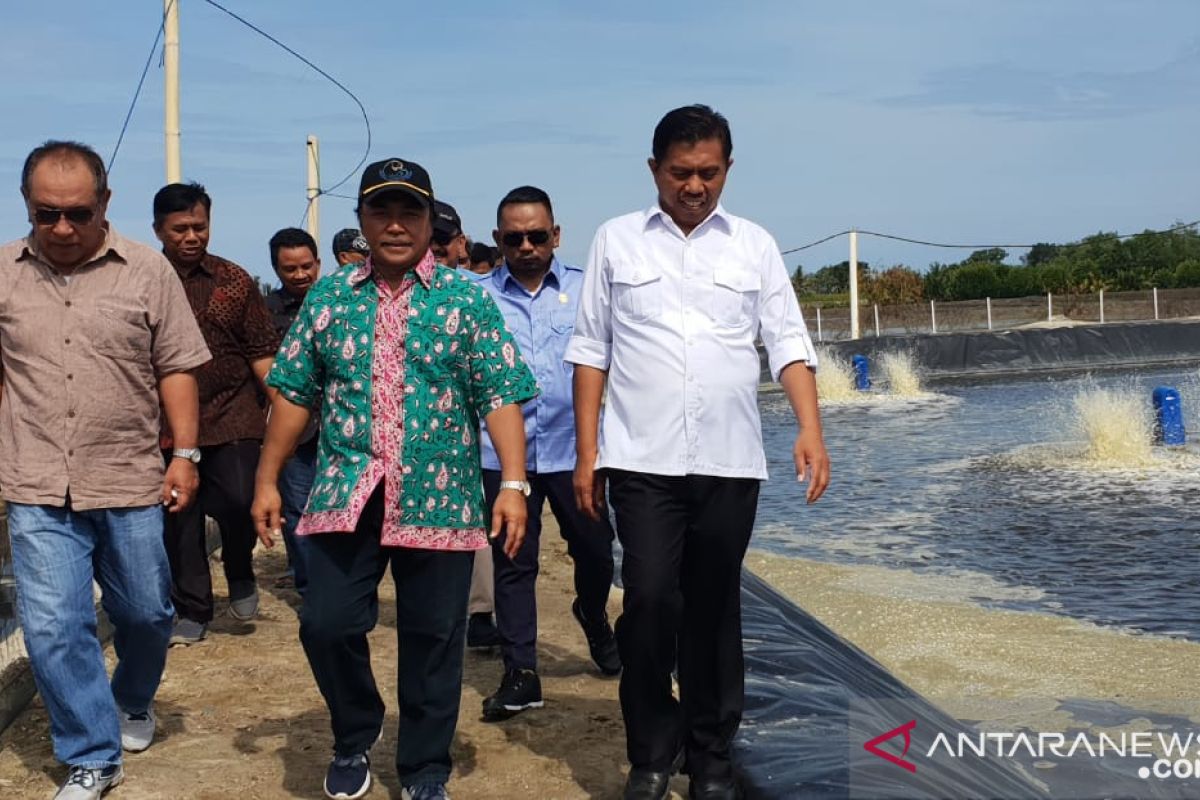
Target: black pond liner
x=813, y=699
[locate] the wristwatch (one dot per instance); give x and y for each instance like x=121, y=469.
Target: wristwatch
x=521, y=486
x=192, y=454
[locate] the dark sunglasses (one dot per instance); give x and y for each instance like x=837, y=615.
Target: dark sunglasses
x=81, y=215
x=535, y=238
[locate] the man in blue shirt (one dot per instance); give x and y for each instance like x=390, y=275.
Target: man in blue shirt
x=538, y=295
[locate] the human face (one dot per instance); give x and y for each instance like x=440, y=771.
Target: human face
x=184, y=236
x=350, y=257
x=297, y=269
x=689, y=180
x=519, y=223
x=67, y=184
x=398, y=227
x=481, y=267
x=454, y=253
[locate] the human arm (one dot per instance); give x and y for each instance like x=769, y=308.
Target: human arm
x=812, y=461
x=506, y=427
x=588, y=388
x=180, y=396
x=287, y=421
x=260, y=367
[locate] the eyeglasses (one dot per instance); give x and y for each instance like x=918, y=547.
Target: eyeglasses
x=515, y=238
x=80, y=215
x=444, y=238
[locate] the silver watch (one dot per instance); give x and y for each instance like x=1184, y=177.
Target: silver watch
x=192, y=454
x=521, y=486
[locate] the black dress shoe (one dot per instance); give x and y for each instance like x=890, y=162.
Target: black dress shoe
x=714, y=789
x=647, y=784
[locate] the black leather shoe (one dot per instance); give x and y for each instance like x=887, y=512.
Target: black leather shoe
x=482, y=632
x=714, y=789
x=649, y=784
x=601, y=643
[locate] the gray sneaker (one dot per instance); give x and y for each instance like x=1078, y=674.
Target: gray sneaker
x=243, y=602
x=137, y=730
x=188, y=631
x=88, y=784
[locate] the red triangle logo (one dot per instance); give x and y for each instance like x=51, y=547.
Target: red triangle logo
x=904, y=730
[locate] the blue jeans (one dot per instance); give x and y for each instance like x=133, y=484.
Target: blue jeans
x=56, y=552
x=295, y=482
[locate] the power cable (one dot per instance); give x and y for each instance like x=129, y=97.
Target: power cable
x=138, y=91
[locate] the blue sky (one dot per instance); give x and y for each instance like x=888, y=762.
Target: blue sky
x=945, y=120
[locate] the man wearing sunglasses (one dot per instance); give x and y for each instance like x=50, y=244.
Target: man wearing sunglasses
x=538, y=295
x=449, y=245
x=95, y=334
x=674, y=299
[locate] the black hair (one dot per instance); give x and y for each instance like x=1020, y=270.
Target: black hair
x=62, y=147
x=290, y=237
x=525, y=194
x=691, y=124
x=481, y=252
x=176, y=197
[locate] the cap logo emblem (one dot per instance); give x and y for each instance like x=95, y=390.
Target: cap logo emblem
x=395, y=170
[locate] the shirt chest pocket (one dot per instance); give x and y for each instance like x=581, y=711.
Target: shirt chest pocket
x=735, y=297
x=117, y=331
x=636, y=291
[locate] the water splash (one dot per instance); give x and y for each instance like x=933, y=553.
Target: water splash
x=835, y=379
x=901, y=373
x=1118, y=426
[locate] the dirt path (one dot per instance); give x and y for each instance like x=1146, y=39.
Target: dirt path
x=239, y=715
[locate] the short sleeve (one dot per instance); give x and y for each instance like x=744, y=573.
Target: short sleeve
x=297, y=372
x=499, y=376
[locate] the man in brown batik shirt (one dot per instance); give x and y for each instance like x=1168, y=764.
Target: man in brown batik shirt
x=235, y=323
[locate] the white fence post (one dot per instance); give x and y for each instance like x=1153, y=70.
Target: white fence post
x=820, y=336
x=933, y=316
x=1049, y=307
x=989, y=306
x=1101, y=306
x=1156, y=303
x=877, y=320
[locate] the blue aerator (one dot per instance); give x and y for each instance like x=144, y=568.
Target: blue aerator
x=1168, y=417
x=862, y=373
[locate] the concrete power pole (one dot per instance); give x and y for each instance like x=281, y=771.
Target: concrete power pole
x=854, y=328
x=171, y=90
x=314, y=190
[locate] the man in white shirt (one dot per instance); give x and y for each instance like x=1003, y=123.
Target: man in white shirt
x=673, y=300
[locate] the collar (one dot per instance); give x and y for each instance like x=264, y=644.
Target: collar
x=718, y=216
x=287, y=298
x=207, y=264
x=114, y=244
x=424, y=270
x=503, y=276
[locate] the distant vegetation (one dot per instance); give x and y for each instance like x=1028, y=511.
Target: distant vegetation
x=1104, y=261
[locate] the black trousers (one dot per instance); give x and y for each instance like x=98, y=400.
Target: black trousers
x=588, y=543
x=342, y=605
x=684, y=539
x=226, y=493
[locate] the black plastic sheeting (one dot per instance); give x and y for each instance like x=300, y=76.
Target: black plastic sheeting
x=813, y=700
x=1113, y=345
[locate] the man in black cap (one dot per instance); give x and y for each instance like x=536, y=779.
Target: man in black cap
x=449, y=245
x=409, y=358
x=349, y=247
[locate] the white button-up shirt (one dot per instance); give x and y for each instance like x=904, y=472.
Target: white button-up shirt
x=673, y=319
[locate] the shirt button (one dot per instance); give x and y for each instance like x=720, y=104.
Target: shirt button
x=67, y=340
x=70, y=377
x=68, y=304
x=70, y=452
x=70, y=413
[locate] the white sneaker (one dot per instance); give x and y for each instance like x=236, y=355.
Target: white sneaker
x=88, y=784
x=137, y=730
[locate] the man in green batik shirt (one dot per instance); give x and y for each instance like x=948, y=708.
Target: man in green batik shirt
x=406, y=357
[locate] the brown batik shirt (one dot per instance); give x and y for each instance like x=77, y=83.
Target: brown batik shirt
x=81, y=357
x=238, y=329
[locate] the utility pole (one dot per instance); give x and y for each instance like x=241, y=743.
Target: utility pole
x=314, y=189
x=171, y=90
x=853, y=283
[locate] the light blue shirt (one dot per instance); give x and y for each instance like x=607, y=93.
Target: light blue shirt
x=542, y=323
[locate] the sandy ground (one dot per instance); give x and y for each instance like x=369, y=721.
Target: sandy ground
x=239, y=715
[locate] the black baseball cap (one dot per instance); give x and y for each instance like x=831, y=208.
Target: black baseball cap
x=396, y=174
x=446, y=219
x=350, y=240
